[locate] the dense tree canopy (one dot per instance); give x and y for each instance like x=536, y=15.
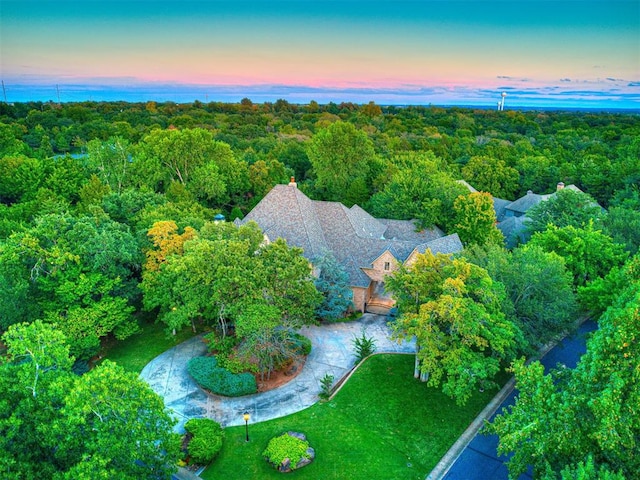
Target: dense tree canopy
x=223, y=275
x=561, y=419
x=83, y=184
x=77, y=272
x=588, y=253
x=491, y=175
x=419, y=187
x=538, y=285
x=344, y=162
x=54, y=424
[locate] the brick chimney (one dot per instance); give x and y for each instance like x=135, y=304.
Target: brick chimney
x=292, y=182
x=560, y=186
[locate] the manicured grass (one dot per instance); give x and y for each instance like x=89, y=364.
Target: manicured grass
x=135, y=352
x=383, y=424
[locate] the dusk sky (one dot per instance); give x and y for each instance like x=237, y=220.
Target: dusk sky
x=541, y=53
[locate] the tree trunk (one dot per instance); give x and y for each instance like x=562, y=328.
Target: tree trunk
x=417, y=371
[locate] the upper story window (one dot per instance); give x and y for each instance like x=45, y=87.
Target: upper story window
x=387, y=265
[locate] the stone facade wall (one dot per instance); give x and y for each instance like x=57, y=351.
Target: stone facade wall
x=382, y=266
x=359, y=297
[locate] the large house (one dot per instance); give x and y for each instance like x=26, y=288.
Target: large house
x=511, y=216
x=368, y=248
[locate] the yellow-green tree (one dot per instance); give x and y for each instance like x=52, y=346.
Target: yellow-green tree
x=475, y=219
x=461, y=332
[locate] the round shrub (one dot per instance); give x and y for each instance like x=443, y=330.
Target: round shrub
x=206, y=441
x=288, y=451
x=206, y=372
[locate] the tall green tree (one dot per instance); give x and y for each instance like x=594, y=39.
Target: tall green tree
x=287, y=283
x=37, y=361
x=538, y=173
x=112, y=161
x=344, y=163
x=206, y=167
x=332, y=281
x=113, y=423
x=491, y=175
x=623, y=225
x=20, y=178
x=475, y=219
x=77, y=272
x=538, y=286
x=419, y=188
x=265, y=175
x=221, y=271
x=462, y=334
x=588, y=253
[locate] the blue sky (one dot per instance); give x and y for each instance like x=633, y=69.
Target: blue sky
x=540, y=52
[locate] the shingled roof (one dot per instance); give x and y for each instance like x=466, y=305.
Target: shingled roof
x=523, y=204
x=354, y=237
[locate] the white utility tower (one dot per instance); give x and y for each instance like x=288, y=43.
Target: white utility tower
x=501, y=103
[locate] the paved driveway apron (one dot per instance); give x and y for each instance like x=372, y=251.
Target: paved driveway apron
x=480, y=460
x=332, y=353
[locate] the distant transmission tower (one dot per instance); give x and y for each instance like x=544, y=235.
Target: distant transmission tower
x=4, y=92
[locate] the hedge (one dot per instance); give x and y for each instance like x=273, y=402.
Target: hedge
x=206, y=372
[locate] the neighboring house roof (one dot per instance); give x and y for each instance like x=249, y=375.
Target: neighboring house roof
x=354, y=237
x=513, y=229
x=467, y=185
x=523, y=204
x=499, y=205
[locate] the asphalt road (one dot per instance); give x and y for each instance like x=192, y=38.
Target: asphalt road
x=480, y=460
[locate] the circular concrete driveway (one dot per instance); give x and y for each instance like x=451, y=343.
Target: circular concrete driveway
x=332, y=353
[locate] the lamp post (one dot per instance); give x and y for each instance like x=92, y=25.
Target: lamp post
x=246, y=417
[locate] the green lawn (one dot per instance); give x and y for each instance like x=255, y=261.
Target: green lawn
x=383, y=424
x=136, y=351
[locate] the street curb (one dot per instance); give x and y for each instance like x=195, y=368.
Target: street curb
x=464, y=440
x=449, y=458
